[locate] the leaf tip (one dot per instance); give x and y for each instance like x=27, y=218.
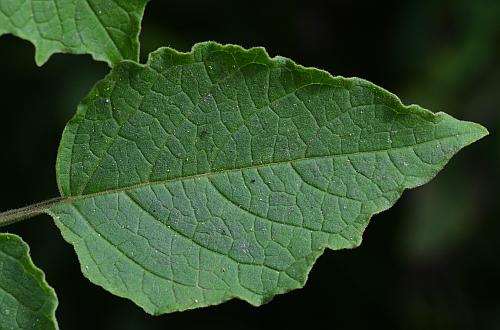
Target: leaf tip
x=480, y=131
x=470, y=131
x=40, y=59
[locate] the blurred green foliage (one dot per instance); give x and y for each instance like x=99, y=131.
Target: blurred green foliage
x=431, y=262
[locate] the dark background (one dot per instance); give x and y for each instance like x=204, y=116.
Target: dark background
x=431, y=262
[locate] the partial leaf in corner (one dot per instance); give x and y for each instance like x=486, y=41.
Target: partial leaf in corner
x=26, y=300
x=222, y=173
x=106, y=29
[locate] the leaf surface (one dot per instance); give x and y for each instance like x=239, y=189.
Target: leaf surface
x=222, y=173
x=26, y=300
x=106, y=29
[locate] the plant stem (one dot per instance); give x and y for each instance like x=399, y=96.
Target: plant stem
x=27, y=212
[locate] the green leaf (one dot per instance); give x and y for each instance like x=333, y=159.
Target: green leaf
x=26, y=300
x=222, y=173
x=106, y=29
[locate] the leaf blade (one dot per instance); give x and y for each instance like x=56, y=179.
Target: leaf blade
x=108, y=30
x=236, y=168
x=27, y=301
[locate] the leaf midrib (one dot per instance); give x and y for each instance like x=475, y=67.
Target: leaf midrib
x=98, y=18
x=74, y=198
